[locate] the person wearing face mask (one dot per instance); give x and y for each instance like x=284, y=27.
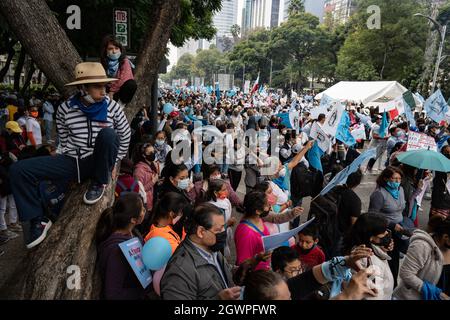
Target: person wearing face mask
x=197, y=270
x=115, y=61
x=440, y=196
x=161, y=149
x=372, y=231
x=211, y=172
x=93, y=135
x=396, y=137
x=146, y=171
x=168, y=212
x=34, y=131
x=424, y=274
x=251, y=229
x=388, y=199
x=218, y=196
x=116, y=225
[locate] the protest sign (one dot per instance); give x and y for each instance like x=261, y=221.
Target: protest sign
x=132, y=250
x=333, y=120
x=323, y=141
x=420, y=141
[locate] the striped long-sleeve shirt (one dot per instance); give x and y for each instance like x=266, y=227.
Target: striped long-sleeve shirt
x=77, y=133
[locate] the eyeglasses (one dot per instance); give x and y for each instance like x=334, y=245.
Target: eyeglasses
x=296, y=271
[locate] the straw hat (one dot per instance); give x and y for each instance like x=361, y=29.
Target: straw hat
x=90, y=72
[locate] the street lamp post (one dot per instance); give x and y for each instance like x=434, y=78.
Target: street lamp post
x=270, y=78
x=442, y=32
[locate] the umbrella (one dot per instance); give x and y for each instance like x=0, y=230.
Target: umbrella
x=425, y=159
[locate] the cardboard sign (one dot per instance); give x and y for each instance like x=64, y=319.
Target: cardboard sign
x=132, y=250
x=420, y=141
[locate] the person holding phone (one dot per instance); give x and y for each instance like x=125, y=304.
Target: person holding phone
x=372, y=231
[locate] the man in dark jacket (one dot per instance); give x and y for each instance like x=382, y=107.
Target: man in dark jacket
x=197, y=270
x=440, y=197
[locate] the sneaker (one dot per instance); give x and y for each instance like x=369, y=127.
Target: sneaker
x=94, y=193
x=7, y=233
x=3, y=239
x=15, y=227
x=35, y=231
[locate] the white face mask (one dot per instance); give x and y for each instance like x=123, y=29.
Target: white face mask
x=218, y=176
x=176, y=219
x=87, y=97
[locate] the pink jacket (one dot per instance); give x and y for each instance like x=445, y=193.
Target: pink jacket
x=123, y=74
x=145, y=174
x=248, y=244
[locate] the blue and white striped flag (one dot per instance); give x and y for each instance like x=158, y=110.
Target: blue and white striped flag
x=436, y=106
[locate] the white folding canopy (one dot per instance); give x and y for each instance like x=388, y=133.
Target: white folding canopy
x=366, y=92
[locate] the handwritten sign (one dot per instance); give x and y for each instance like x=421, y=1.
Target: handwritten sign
x=132, y=250
x=420, y=141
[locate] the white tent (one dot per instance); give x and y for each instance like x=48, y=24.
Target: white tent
x=369, y=93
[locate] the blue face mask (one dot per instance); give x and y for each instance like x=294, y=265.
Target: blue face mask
x=393, y=188
x=183, y=184
x=393, y=185
x=114, y=56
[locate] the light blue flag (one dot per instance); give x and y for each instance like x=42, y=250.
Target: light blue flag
x=419, y=96
x=231, y=93
x=442, y=141
x=384, y=125
x=217, y=91
x=209, y=89
x=342, y=176
x=290, y=119
x=314, y=155
x=343, y=131
x=436, y=106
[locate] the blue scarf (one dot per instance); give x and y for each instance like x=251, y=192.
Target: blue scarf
x=95, y=112
x=281, y=182
x=393, y=191
x=430, y=291
x=113, y=67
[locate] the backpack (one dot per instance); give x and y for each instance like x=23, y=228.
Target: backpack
x=325, y=210
x=302, y=182
x=122, y=190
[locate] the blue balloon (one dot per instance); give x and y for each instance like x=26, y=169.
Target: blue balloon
x=156, y=253
x=168, y=108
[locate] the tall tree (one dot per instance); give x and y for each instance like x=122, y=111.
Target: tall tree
x=70, y=243
x=393, y=52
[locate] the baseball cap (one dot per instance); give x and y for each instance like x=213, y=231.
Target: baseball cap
x=13, y=126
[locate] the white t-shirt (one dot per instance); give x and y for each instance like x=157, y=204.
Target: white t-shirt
x=34, y=127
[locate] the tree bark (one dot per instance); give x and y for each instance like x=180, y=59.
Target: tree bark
x=18, y=69
x=39, y=32
x=11, y=54
x=70, y=242
x=28, y=77
x=164, y=14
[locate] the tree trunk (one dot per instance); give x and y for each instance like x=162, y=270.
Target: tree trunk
x=11, y=54
x=70, y=242
x=164, y=14
x=28, y=77
x=18, y=69
x=39, y=32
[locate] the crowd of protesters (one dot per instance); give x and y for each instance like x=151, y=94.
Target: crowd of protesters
x=214, y=215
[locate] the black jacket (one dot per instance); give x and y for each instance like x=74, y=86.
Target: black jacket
x=440, y=197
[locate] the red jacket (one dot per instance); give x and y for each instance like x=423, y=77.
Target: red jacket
x=124, y=74
x=312, y=258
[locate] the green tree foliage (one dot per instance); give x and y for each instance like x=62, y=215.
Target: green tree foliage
x=393, y=52
x=303, y=43
x=97, y=21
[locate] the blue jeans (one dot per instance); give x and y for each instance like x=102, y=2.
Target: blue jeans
x=48, y=126
x=27, y=174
